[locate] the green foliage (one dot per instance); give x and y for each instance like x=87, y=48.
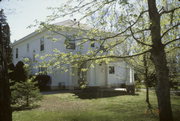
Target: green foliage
x=25, y=93
x=138, y=86
x=83, y=85
x=20, y=72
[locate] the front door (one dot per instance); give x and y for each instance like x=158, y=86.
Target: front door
x=101, y=75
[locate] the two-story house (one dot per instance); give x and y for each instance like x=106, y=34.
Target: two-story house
x=113, y=74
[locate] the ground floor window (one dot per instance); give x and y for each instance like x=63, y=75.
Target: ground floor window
x=43, y=70
x=111, y=70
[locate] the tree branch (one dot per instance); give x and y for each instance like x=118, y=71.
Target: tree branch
x=138, y=41
x=114, y=56
x=174, y=48
x=127, y=27
x=170, y=11
x=169, y=30
x=172, y=41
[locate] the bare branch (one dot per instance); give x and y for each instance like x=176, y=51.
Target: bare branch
x=127, y=27
x=114, y=56
x=174, y=48
x=112, y=46
x=169, y=30
x=138, y=41
x=170, y=11
x=172, y=41
x=87, y=6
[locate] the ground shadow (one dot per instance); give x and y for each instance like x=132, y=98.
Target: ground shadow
x=93, y=93
x=50, y=92
x=23, y=108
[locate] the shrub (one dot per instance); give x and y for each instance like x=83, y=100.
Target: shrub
x=20, y=74
x=24, y=94
x=138, y=86
x=43, y=82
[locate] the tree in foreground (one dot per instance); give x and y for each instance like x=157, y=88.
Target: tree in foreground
x=5, y=108
x=24, y=90
x=122, y=21
x=25, y=94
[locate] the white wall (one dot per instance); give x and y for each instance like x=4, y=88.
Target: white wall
x=97, y=76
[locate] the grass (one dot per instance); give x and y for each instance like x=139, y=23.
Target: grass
x=69, y=107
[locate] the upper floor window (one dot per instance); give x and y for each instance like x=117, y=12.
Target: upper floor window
x=17, y=53
x=42, y=44
x=70, y=43
x=70, y=46
x=34, y=55
x=111, y=70
x=27, y=47
x=102, y=48
x=92, y=44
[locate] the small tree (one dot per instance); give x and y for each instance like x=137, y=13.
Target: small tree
x=24, y=90
x=25, y=93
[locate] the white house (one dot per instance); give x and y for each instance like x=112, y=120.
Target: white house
x=113, y=74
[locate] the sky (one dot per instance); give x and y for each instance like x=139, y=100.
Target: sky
x=23, y=13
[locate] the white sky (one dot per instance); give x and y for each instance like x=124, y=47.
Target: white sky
x=22, y=13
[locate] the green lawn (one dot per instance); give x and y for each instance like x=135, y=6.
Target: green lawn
x=68, y=107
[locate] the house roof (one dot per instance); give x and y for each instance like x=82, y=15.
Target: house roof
x=25, y=38
x=66, y=23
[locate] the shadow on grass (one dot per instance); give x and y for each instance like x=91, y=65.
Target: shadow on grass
x=94, y=93
x=23, y=108
x=50, y=92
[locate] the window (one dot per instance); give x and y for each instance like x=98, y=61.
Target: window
x=103, y=48
x=34, y=55
x=43, y=70
x=70, y=43
x=42, y=44
x=111, y=70
x=16, y=52
x=92, y=44
x=27, y=47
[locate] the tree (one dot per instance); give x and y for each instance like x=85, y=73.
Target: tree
x=5, y=112
x=24, y=90
x=25, y=93
x=20, y=72
x=121, y=19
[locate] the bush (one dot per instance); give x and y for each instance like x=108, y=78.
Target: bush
x=20, y=72
x=138, y=86
x=43, y=82
x=24, y=94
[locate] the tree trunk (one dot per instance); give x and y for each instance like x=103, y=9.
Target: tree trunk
x=159, y=59
x=5, y=109
x=146, y=81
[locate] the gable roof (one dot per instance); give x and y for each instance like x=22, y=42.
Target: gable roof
x=66, y=23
